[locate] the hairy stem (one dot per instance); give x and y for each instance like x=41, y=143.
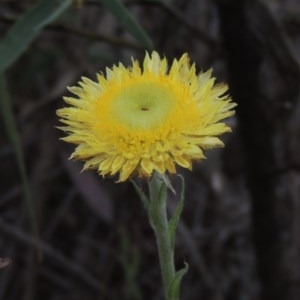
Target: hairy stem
x=159, y=222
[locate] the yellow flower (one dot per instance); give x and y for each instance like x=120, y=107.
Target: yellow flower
x=139, y=120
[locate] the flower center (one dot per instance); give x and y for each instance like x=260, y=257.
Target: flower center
x=143, y=105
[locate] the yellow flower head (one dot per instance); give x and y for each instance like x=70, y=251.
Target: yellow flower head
x=146, y=118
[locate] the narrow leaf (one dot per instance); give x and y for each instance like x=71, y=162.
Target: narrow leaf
x=176, y=217
x=128, y=21
x=13, y=134
x=174, y=288
x=22, y=33
x=158, y=198
x=141, y=195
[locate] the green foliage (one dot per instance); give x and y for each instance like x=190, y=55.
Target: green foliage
x=173, y=223
x=16, y=41
x=128, y=21
x=141, y=194
x=23, y=32
x=174, y=288
x=165, y=230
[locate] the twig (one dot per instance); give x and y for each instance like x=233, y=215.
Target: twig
x=72, y=267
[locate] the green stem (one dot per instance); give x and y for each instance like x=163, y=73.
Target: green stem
x=159, y=222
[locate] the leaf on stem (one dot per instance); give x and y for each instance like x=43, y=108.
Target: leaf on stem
x=141, y=194
x=176, y=217
x=174, y=288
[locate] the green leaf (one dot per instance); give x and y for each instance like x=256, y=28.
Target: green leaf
x=174, y=288
x=176, y=217
x=13, y=134
x=141, y=195
x=158, y=197
x=22, y=33
x=128, y=21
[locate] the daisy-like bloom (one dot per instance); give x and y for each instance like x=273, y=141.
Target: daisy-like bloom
x=147, y=118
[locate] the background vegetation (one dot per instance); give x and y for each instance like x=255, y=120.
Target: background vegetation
x=66, y=235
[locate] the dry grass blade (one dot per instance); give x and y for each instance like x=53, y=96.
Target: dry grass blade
x=69, y=265
x=13, y=134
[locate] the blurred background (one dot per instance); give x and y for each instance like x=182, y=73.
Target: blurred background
x=71, y=235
